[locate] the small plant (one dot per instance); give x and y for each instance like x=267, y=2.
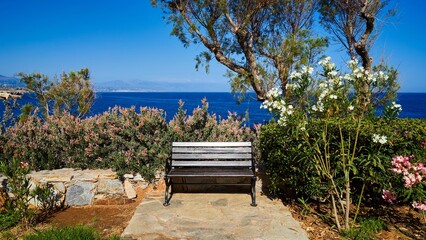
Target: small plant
x=17, y=208
x=367, y=229
x=47, y=199
x=79, y=232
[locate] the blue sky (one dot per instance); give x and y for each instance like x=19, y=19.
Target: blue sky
x=128, y=40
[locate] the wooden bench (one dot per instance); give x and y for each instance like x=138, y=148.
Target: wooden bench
x=210, y=161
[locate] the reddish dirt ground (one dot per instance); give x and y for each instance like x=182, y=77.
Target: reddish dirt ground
x=402, y=222
x=109, y=219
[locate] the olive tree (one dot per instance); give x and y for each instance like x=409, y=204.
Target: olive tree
x=354, y=24
x=71, y=93
x=259, y=41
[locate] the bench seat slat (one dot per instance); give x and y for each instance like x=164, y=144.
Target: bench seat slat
x=211, y=144
x=211, y=156
x=209, y=172
x=211, y=150
x=212, y=163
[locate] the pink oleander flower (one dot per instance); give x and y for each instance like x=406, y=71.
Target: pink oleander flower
x=419, y=206
x=388, y=196
x=419, y=177
x=410, y=180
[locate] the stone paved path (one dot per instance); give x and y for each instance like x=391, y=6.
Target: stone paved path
x=212, y=216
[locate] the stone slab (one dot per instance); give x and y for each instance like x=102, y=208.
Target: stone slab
x=110, y=186
x=80, y=193
x=130, y=191
x=212, y=216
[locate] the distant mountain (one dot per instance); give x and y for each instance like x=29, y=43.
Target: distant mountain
x=10, y=82
x=150, y=86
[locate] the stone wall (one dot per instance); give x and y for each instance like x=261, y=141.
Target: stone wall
x=74, y=187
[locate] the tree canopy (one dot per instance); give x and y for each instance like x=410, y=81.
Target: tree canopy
x=260, y=42
x=353, y=24
x=70, y=93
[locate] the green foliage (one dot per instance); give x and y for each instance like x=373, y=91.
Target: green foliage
x=329, y=113
x=260, y=42
x=78, y=232
x=203, y=126
x=123, y=139
x=72, y=93
x=7, y=119
x=288, y=160
x=366, y=231
x=17, y=208
x=9, y=219
x=47, y=200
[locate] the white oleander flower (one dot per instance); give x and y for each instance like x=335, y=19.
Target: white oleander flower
x=307, y=70
x=352, y=63
x=379, y=139
x=396, y=106
x=332, y=73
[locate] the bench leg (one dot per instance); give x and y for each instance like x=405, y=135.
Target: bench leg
x=253, y=192
x=166, y=194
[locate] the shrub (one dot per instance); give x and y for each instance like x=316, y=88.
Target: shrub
x=123, y=139
x=203, y=126
x=127, y=141
x=66, y=233
x=18, y=185
x=287, y=159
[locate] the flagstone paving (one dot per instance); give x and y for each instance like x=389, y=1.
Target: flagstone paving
x=212, y=216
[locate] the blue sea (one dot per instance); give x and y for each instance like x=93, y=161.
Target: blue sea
x=413, y=104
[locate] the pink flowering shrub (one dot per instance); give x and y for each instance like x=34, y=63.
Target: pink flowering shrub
x=413, y=176
x=124, y=139
x=203, y=126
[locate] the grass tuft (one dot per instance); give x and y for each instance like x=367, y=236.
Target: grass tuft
x=367, y=229
x=78, y=232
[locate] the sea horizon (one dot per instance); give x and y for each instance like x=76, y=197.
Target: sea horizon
x=220, y=103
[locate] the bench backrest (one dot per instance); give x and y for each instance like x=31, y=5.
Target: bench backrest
x=212, y=154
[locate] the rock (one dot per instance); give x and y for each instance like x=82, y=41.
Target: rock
x=159, y=174
x=130, y=191
x=143, y=184
x=80, y=193
x=110, y=186
x=128, y=176
x=138, y=177
x=106, y=173
x=59, y=186
x=86, y=177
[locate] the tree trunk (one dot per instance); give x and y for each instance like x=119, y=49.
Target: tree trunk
x=362, y=51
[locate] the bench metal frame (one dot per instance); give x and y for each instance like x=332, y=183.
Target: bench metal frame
x=210, y=160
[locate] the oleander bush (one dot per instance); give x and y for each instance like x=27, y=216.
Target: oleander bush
x=123, y=139
x=203, y=126
x=288, y=159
